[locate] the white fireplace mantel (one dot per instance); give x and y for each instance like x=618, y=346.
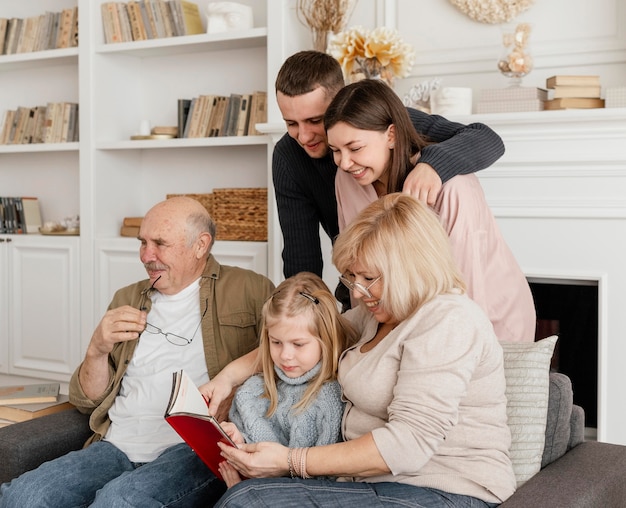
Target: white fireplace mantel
x=559, y=194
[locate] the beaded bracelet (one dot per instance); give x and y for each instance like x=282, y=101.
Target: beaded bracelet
x=290, y=463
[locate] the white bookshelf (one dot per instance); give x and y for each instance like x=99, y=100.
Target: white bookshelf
x=105, y=176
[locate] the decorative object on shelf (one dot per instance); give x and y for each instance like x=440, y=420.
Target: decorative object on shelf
x=226, y=16
x=240, y=214
x=492, y=11
x=324, y=17
x=515, y=61
x=68, y=226
x=418, y=96
x=615, y=97
x=374, y=54
x=451, y=101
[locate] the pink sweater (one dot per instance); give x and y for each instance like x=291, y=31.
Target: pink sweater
x=432, y=393
x=494, y=279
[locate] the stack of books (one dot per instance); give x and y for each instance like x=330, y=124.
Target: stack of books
x=25, y=402
x=509, y=100
x=572, y=92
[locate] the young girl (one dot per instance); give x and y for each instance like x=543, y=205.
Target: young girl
x=296, y=400
x=375, y=146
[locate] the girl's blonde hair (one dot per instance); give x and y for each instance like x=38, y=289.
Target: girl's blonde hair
x=305, y=293
x=401, y=239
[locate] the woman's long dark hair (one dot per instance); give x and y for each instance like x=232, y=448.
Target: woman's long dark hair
x=372, y=105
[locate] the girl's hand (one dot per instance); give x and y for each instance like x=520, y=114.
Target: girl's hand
x=229, y=473
x=257, y=460
x=219, y=394
x=233, y=432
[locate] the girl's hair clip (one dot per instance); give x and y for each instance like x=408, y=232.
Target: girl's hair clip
x=310, y=297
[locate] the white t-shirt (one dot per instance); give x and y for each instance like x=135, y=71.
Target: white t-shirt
x=138, y=427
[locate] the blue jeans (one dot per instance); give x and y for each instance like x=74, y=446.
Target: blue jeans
x=297, y=493
x=102, y=476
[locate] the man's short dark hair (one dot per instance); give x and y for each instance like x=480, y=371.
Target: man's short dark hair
x=307, y=70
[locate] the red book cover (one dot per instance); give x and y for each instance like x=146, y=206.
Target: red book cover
x=188, y=415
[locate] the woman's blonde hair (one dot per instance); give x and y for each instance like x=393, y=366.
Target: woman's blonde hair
x=305, y=293
x=401, y=239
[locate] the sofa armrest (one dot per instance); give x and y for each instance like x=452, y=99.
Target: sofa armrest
x=590, y=474
x=25, y=445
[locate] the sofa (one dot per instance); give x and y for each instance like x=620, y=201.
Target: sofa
x=574, y=473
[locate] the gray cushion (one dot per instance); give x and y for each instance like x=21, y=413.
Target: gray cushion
x=558, y=429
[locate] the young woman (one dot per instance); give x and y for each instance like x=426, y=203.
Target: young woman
x=375, y=146
x=425, y=422
x=296, y=400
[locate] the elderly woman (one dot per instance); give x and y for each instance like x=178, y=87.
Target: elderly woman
x=425, y=422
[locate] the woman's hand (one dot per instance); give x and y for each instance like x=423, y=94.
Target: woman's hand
x=229, y=474
x=257, y=460
x=233, y=432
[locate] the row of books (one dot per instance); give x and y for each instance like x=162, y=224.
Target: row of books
x=19, y=215
x=149, y=19
x=52, y=30
x=560, y=92
x=24, y=402
x=220, y=115
x=56, y=122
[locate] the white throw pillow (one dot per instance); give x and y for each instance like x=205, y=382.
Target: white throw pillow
x=527, y=369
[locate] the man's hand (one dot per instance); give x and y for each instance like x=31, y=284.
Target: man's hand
x=118, y=325
x=423, y=183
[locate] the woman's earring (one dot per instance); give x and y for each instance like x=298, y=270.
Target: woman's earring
x=391, y=146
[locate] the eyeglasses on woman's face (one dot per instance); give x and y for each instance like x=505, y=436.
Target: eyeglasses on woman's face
x=349, y=280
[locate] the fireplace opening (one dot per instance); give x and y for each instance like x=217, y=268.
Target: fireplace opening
x=569, y=309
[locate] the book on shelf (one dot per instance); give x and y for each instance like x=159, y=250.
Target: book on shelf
x=25, y=412
x=136, y=21
x=217, y=116
x=66, y=24
x=132, y=221
x=188, y=414
x=207, y=104
x=183, y=113
x=29, y=394
x=574, y=103
x=573, y=80
x=131, y=231
x=509, y=106
x=168, y=20
x=4, y=24
x=258, y=111
x=124, y=20
x=191, y=17
x=243, y=116
x=560, y=92
x=148, y=22
x=110, y=23
x=229, y=125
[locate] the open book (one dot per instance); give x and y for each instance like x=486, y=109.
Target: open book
x=188, y=414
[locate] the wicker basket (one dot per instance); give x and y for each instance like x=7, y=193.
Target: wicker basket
x=241, y=214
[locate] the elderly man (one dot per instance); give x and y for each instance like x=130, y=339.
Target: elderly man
x=192, y=314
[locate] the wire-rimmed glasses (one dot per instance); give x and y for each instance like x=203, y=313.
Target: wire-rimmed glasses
x=172, y=338
x=349, y=281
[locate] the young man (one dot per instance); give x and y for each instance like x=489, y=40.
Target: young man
x=192, y=314
x=304, y=172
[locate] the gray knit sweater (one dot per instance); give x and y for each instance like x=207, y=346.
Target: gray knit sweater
x=317, y=424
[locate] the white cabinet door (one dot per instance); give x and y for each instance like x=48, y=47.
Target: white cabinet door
x=43, y=306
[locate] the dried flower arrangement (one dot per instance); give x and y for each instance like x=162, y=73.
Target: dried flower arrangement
x=377, y=53
x=516, y=60
x=324, y=17
x=492, y=11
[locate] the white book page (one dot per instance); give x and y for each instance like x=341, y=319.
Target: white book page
x=189, y=399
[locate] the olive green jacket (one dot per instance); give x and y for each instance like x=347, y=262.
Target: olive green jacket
x=230, y=329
